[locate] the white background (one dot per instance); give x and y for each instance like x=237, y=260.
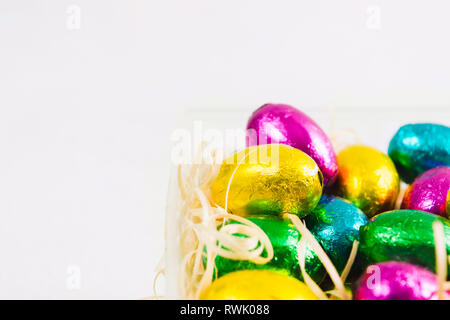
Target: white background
x=87, y=111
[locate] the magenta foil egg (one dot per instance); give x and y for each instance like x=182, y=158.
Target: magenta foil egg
x=429, y=191
x=395, y=280
x=280, y=123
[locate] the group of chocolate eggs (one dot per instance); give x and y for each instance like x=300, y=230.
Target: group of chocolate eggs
x=290, y=167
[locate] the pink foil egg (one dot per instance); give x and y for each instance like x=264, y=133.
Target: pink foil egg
x=396, y=281
x=280, y=123
x=429, y=191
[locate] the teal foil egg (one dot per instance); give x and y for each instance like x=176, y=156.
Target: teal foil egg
x=416, y=148
x=284, y=238
x=335, y=223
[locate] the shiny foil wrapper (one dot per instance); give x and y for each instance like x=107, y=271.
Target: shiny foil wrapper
x=448, y=203
x=416, y=148
x=402, y=235
x=335, y=223
x=257, y=285
x=284, y=238
x=280, y=123
x=367, y=178
x=396, y=281
x=268, y=179
x=429, y=191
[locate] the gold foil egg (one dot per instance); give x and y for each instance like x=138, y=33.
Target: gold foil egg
x=448, y=204
x=367, y=178
x=268, y=179
x=257, y=285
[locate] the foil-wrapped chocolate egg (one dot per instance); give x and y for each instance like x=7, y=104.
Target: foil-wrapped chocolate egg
x=284, y=238
x=335, y=223
x=268, y=179
x=448, y=204
x=429, y=191
x=394, y=280
x=402, y=235
x=257, y=285
x=280, y=123
x=367, y=178
x=416, y=148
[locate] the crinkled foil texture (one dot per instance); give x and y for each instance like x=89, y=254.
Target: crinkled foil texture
x=416, y=148
x=280, y=123
x=402, y=235
x=448, y=203
x=367, y=178
x=268, y=179
x=429, y=191
x=257, y=285
x=397, y=281
x=284, y=238
x=335, y=223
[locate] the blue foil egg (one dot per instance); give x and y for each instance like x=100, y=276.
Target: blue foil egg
x=416, y=148
x=335, y=223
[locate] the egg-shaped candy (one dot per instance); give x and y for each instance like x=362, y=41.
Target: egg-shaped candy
x=394, y=280
x=335, y=223
x=429, y=191
x=403, y=235
x=284, y=238
x=280, y=123
x=367, y=178
x=416, y=148
x=257, y=285
x=448, y=203
x=268, y=179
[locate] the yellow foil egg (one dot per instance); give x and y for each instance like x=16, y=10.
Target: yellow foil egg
x=268, y=179
x=368, y=178
x=448, y=203
x=257, y=285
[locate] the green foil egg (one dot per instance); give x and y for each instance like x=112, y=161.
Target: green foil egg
x=284, y=238
x=402, y=235
x=416, y=148
x=335, y=223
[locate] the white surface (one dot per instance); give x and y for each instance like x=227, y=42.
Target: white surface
x=86, y=114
